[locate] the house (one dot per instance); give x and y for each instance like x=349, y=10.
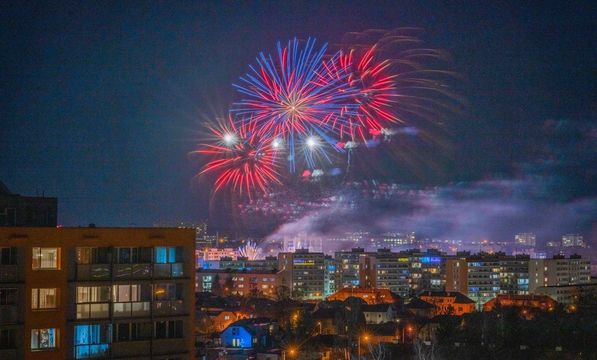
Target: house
x=253, y=333
x=523, y=302
x=448, y=302
x=378, y=313
x=420, y=308
x=222, y=319
x=370, y=296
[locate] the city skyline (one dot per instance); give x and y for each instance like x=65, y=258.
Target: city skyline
x=106, y=104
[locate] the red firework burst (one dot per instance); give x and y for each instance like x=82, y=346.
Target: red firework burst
x=376, y=95
x=243, y=160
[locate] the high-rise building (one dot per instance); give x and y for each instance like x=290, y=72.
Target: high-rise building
x=559, y=271
x=393, y=272
x=347, y=271
x=74, y=293
x=570, y=240
x=477, y=276
x=427, y=270
x=303, y=273
x=525, y=239
x=17, y=210
x=514, y=275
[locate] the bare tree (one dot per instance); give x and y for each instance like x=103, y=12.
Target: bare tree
x=378, y=351
x=425, y=350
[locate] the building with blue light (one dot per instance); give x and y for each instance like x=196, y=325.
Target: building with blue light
x=253, y=334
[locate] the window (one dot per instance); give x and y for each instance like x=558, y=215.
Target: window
x=44, y=339
x=134, y=255
x=92, y=340
x=93, y=255
x=7, y=338
x=8, y=296
x=93, y=302
x=168, y=329
x=131, y=300
x=8, y=256
x=141, y=331
x=45, y=258
x=45, y=298
x=166, y=255
x=168, y=291
x=123, y=332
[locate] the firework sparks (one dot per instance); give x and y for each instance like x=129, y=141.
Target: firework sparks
x=250, y=250
x=244, y=160
x=296, y=95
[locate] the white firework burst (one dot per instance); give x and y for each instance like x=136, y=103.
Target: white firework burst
x=250, y=251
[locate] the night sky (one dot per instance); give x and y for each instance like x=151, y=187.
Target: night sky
x=102, y=102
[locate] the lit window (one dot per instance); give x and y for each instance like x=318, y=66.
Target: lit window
x=43, y=339
x=91, y=340
x=45, y=258
x=165, y=255
x=45, y=298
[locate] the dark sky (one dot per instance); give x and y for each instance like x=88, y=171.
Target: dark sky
x=101, y=102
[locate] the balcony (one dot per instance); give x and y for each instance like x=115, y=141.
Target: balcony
x=131, y=309
x=169, y=308
x=132, y=271
x=173, y=270
x=169, y=346
x=93, y=272
x=137, y=349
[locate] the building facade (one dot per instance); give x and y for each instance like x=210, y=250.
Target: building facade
x=98, y=292
x=559, y=270
x=303, y=273
x=237, y=282
x=17, y=210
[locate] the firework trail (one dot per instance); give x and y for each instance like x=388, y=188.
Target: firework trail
x=296, y=95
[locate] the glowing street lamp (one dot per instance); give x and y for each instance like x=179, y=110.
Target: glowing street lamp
x=365, y=339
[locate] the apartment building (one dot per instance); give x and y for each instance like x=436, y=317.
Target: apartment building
x=237, y=282
x=303, y=273
x=76, y=293
x=559, y=270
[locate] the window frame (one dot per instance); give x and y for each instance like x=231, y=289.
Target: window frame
x=56, y=340
x=36, y=256
x=36, y=296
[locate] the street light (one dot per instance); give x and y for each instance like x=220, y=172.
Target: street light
x=291, y=350
x=365, y=339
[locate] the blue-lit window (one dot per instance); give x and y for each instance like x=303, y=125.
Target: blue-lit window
x=92, y=340
x=166, y=255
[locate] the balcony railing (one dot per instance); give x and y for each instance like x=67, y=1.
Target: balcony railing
x=168, y=307
x=131, y=309
x=94, y=272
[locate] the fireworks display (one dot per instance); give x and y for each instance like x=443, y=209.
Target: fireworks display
x=297, y=95
x=243, y=159
x=305, y=103
x=250, y=251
